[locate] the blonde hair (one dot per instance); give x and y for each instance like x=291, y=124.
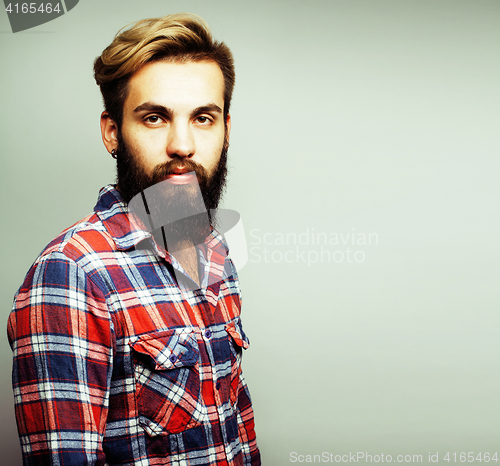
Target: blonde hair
x=183, y=37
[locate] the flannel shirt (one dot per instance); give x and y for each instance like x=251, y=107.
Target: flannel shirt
x=114, y=363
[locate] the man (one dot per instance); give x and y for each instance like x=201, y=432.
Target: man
x=126, y=332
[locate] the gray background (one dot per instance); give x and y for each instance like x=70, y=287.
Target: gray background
x=349, y=117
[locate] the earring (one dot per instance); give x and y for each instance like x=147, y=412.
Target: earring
x=113, y=153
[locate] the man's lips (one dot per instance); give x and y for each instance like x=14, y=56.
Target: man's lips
x=181, y=176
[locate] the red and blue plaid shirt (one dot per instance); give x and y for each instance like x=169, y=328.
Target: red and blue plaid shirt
x=115, y=364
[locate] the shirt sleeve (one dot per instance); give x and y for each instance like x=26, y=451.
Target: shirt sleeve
x=246, y=426
x=61, y=336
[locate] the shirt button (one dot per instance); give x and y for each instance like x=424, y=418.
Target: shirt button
x=172, y=358
x=217, y=385
x=208, y=334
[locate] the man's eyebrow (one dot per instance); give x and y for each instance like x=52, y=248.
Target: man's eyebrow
x=206, y=109
x=152, y=107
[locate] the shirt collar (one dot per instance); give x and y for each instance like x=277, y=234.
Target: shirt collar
x=128, y=233
x=115, y=216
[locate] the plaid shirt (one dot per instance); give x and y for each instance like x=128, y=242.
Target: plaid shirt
x=114, y=364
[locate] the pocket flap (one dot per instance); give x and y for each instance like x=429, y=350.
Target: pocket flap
x=239, y=337
x=169, y=349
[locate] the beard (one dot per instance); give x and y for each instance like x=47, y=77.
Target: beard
x=185, y=210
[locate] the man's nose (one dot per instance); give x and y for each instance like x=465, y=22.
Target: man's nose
x=180, y=141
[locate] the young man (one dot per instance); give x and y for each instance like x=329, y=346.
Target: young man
x=126, y=332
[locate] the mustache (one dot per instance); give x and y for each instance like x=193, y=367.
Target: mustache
x=163, y=170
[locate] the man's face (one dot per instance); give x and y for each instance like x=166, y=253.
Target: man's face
x=173, y=123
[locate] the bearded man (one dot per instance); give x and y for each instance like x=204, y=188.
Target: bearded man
x=126, y=332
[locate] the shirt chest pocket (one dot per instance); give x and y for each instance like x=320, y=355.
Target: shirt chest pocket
x=238, y=341
x=166, y=370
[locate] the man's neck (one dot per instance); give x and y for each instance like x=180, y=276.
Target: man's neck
x=185, y=253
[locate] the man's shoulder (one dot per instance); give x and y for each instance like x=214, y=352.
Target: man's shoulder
x=85, y=236
x=100, y=232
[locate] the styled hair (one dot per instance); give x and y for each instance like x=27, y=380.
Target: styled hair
x=179, y=37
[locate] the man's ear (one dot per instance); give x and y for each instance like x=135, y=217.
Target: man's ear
x=109, y=132
x=228, y=125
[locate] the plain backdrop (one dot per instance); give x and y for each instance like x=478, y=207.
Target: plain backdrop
x=364, y=161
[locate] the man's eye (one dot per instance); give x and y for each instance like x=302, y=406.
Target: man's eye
x=153, y=119
x=203, y=120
